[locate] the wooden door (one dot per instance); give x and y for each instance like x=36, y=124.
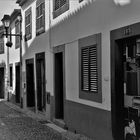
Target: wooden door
x=2, y=83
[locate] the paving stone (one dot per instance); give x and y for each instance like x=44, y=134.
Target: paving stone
x=19, y=124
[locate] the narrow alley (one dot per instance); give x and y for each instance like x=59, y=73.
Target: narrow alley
x=16, y=125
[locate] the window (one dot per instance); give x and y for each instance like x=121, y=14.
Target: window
x=90, y=68
x=1, y=45
x=17, y=38
x=28, y=24
x=80, y=0
x=11, y=75
x=40, y=18
x=60, y=6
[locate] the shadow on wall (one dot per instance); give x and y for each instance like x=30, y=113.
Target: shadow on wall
x=41, y=42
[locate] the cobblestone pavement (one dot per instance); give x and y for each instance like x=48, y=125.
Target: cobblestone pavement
x=15, y=125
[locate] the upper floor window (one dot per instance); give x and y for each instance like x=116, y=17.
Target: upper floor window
x=40, y=17
x=28, y=24
x=17, y=31
x=1, y=45
x=59, y=7
x=90, y=68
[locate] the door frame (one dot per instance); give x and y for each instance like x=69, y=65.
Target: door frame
x=116, y=34
x=30, y=61
x=41, y=56
x=4, y=67
x=60, y=49
x=17, y=64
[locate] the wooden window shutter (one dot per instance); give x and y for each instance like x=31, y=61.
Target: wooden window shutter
x=43, y=18
x=85, y=71
x=1, y=45
x=89, y=69
x=28, y=24
x=93, y=78
x=40, y=17
x=57, y=3
x=62, y=2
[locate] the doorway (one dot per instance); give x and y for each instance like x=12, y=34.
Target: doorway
x=59, y=89
x=125, y=81
x=17, y=88
x=30, y=83
x=2, y=81
x=40, y=76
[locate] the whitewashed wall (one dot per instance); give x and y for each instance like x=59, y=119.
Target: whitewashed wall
x=99, y=16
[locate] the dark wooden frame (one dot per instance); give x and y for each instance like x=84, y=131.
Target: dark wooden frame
x=90, y=41
x=117, y=76
x=40, y=56
x=10, y=65
x=17, y=64
x=42, y=29
x=2, y=46
x=17, y=38
x=61, y=10
x=30, y=61
x=60, y=49
x=27, y=13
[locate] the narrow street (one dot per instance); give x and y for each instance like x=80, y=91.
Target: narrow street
x=15, y=125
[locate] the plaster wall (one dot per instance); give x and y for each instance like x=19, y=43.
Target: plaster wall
x=92, y=17
x=14, y=57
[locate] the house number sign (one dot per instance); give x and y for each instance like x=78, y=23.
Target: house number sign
x=127, y=31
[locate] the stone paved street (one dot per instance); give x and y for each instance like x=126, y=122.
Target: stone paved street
x=17, y=125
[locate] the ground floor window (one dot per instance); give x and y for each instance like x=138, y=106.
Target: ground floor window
x=90, y=68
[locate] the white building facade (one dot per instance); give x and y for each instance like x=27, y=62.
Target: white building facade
x=73, y=63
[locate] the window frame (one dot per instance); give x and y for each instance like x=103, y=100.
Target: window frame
x=42, y=28
x=28, y=12
x=60, y=10
x=1, y=45
x=83, y=43
x=17, y=31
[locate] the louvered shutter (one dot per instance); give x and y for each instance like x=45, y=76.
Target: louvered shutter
x=17, y=30
x=62, y=2
x=28, y=24
x=40, y=18
x=57, y=4
x=93, y=78
x=85, y=68
x=1, y=46
x=89, y=69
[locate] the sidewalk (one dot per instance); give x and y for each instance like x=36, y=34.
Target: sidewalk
x=65, y=135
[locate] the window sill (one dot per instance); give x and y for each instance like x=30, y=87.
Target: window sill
x=61, y=10
x=28, y=37
x=40, y=31
x=97, y=97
